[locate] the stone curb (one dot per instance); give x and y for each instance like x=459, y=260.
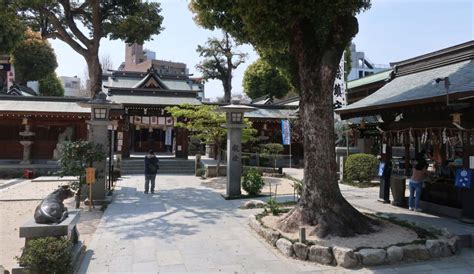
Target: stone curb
x=349, y=258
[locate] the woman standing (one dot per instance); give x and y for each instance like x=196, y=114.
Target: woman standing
x=416, y=183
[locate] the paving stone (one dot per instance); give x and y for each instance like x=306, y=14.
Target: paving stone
x=345, y=257
x=168, y=258
x=372, y=256
x=248, y=204
x=320, y=254
x=438, y=248
x=415, y=253
x=145, y=267
x=301, y=250
x=453, y=243
x=285, y=246
x=394, y=254
x=271, y=235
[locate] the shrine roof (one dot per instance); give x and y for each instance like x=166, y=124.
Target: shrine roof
x=41, y=104
x=417, y=88
x=265, y=113
x=153, y=100
x=377, y=77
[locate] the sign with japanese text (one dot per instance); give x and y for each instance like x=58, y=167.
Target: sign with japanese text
x=90, y=175
x=285, y=132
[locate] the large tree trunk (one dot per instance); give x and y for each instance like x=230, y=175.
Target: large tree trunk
x=227, y=84
x=95, y=74
x=322, y=204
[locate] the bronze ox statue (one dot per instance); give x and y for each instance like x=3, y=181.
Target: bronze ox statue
x=52, y=210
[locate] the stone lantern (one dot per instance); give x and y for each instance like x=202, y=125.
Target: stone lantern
x=235, y=124
x=98, y=134
x=26, y=142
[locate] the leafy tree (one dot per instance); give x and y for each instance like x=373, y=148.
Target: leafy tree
x=306, y=39
x=128, y=20
x=74, y=158
x=33, y=58
x=12, y=29
x=220, y=59
x=205, y=123
x=260, y=78
x=51, y=85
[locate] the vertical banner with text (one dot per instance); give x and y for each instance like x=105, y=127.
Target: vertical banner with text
x=285, y=132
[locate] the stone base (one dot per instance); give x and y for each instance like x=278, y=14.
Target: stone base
x=350, y=258
x=108, y=199
x=32, y=230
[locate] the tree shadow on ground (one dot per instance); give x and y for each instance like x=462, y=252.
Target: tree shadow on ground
x=177, y=211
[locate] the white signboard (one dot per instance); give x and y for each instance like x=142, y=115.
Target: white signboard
x=339, y=93
x=161, y=121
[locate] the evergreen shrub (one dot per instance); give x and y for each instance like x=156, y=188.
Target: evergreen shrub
x=252, y=182
x=47, y=255
x=360, y=167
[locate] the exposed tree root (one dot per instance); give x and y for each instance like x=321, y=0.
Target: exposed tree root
x=337, y=220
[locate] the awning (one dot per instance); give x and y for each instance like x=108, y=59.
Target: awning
x=261, y=113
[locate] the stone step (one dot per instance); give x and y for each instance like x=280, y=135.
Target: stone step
x=161, y=164
x=167, y=166
x=175, y=172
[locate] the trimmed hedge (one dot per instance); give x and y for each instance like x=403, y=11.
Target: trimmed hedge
x=360, y=167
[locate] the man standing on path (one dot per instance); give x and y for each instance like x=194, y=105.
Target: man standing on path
x=151, y=167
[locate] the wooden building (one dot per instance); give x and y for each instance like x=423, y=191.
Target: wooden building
x=142, y=123
x=50, y=119
x=428, y=106
x=145, y=124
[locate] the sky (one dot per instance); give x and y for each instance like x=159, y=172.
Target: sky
x=391, y=30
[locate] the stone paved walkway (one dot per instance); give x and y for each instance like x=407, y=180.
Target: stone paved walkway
x=186, y=227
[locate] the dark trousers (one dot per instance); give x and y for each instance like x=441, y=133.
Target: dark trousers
x=150, y=178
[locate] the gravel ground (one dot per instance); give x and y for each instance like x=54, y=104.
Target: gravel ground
x=17, y=205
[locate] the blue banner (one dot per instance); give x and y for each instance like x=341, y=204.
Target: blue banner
x=285, y=132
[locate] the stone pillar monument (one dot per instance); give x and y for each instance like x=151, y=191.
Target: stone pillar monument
x=234, y=116
x=98, y=134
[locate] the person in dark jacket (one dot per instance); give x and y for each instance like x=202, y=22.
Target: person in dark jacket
x=151, y=168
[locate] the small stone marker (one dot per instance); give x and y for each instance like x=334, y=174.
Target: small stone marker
x=302, y=235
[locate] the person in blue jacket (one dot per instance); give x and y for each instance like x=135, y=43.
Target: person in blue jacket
x=151, y=168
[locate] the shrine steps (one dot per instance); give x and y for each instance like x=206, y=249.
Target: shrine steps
x=167, y=166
